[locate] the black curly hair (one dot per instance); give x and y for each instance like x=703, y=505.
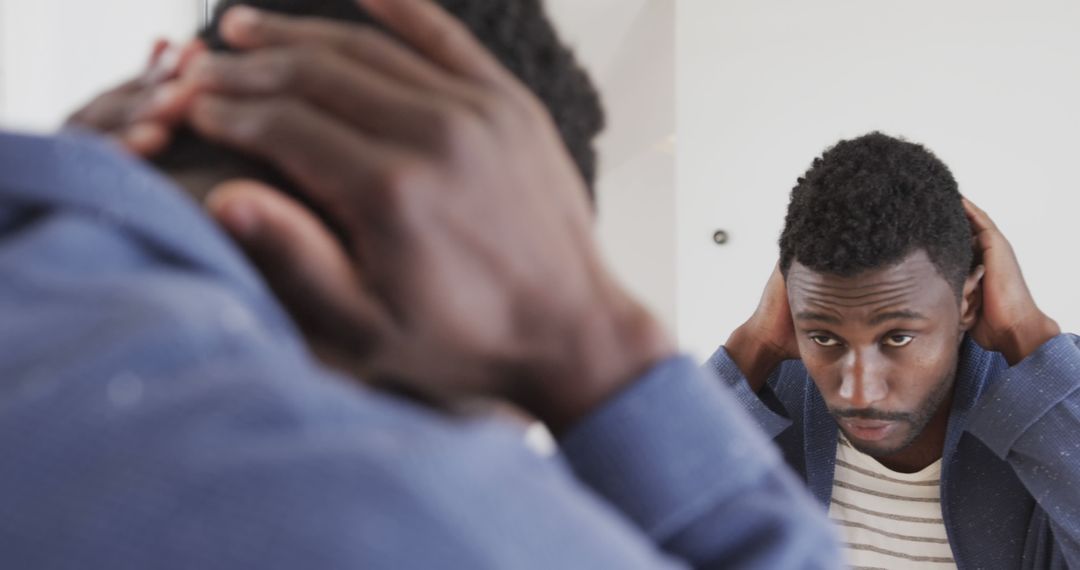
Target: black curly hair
x=518, y=32
x=869, y=202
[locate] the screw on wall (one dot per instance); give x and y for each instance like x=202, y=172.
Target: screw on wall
x=721, y=237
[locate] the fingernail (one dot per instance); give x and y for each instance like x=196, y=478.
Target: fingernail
x=163, y=98
x=162, y=66
x=140, y=133
x=243, y=17
x=160, y=46
x=240, y=219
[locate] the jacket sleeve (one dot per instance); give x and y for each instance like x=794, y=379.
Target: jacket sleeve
x=764, y=407
x=1030, y=417
x=679, y=456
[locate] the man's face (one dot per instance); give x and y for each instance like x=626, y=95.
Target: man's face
x=881, y=346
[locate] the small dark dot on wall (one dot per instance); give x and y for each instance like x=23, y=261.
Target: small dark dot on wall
x=721, y=237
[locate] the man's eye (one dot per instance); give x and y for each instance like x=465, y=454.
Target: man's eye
x=823, y=340
x=898, y=340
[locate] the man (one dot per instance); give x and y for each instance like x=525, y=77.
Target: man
x=159, y=411
x=919, y=390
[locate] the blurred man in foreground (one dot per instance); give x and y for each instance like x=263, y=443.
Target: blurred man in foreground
x=914, y=382
x=160, y=410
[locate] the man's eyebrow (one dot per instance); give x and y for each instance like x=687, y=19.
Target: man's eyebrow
x=812, y=316
x=897, y=315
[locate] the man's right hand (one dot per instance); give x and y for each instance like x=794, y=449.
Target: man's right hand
x=760, y=344
x=470, y=266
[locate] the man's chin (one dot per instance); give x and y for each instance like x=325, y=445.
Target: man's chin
x=876, y=438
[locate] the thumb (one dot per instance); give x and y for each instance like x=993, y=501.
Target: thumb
x=303, y=263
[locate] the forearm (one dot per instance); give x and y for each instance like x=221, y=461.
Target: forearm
x=682, y=461
x=1025, y=338
x=724, y=366
x=1030, y=417
x=755, y=359
x=596, y=357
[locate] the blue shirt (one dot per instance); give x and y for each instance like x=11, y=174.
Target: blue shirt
x=158, y=410
x=1010, y=481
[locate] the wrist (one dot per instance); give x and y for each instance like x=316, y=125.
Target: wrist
x=1027, y=336
x=756, y=359
x=603, y=351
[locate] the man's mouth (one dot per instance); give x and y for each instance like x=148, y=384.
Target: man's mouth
x=868, y=430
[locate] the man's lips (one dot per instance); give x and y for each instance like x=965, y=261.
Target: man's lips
x=868, y=430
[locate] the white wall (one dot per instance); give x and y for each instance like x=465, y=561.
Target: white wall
x=993, y=87
x=54, y=54
x=628, y=46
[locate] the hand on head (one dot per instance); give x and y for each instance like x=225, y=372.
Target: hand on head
x=468, y=265
x=1009, y=322
x=767, y=338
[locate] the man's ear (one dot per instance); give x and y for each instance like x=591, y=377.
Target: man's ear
x=971, y=298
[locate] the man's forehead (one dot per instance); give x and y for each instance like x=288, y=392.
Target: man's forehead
x=913, y=267
x=904, y=285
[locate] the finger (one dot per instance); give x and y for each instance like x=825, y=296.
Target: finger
x=986, y=235
x=979, y=219
x=163, y=67
x=247, y=28
x=328, y=81
x=340, y=169
x=108, y=111
x=167, y=102
x=438, y=36
x=168, y=65
x=145, y=139
x=301, y=261
x=982, y=228
x=161, y=45
x=190, y=51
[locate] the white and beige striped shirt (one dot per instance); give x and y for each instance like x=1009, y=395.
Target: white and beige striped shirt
x=888, y=520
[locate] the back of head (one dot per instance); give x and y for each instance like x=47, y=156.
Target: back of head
x=517, y=32
x=868, y=202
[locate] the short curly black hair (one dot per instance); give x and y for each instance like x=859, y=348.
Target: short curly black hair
x=518, y=32
x=869, y=202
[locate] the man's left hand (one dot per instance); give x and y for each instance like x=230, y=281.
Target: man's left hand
x=1010, y=322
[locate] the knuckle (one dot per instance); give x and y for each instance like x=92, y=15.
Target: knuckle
x=256, y=124
x=495, y=109
x=453, y=126
x=395, y=186
x=444, y=39
x=285, y=70
x=393, y=178
x=509, y=110
x=358, y=40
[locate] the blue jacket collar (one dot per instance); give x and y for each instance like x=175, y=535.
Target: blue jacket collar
x=974, y=367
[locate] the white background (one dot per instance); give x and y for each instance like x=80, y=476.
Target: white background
x=756, y=89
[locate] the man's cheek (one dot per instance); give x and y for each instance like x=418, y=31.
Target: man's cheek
x=822, y=379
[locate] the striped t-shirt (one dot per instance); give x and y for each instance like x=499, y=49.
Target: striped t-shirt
x=887, y=519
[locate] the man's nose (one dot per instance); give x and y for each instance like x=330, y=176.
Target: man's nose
x=863, y=381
